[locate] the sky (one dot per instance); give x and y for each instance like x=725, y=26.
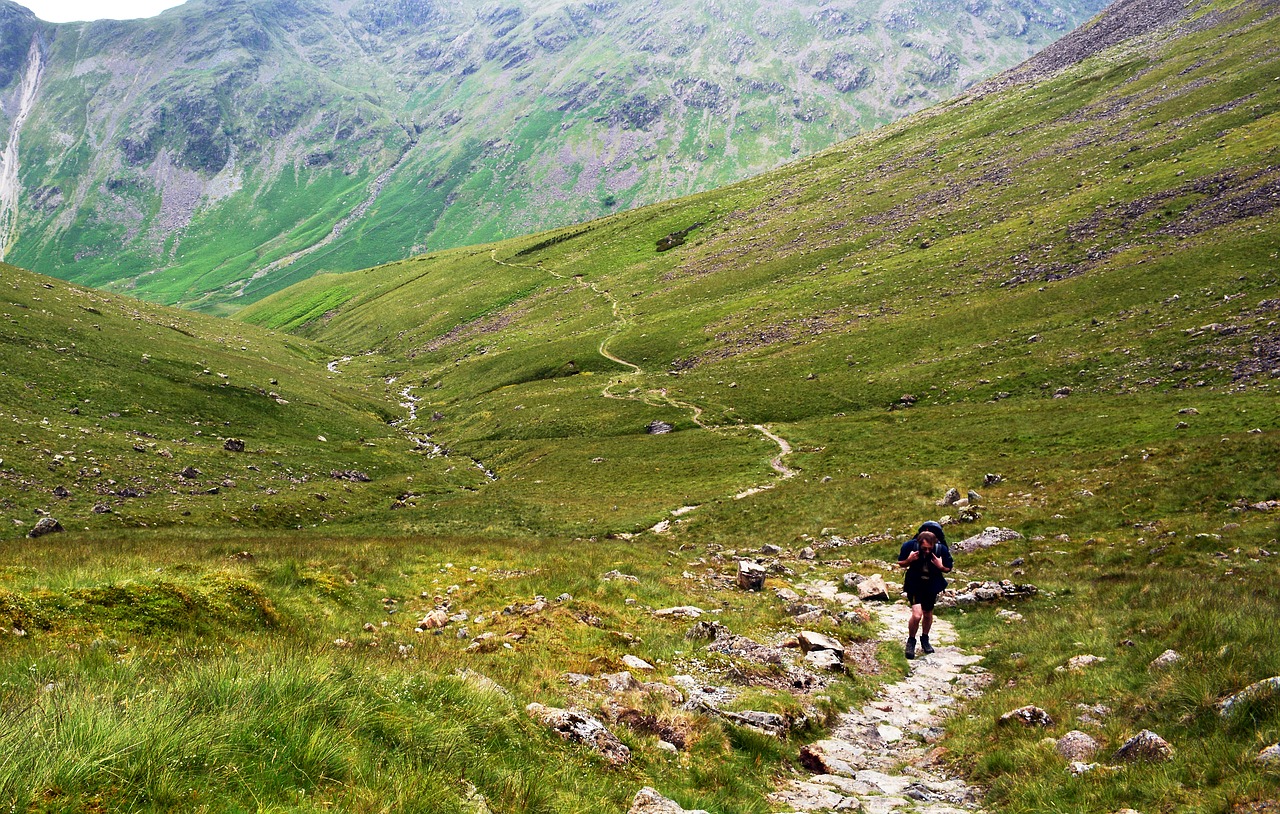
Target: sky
x=68, y=11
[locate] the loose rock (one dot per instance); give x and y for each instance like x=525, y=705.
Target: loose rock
x=1267, y=688
x=1077, y=745
x=950, y=498
x=579, y=726
x=46, y=525
x=682, y=612
x=1165, y=660
x=991, y=536
x=233, y=445
x=1270, y=756
x=1028, y=716
x=1144, y=747
x=750, y=575
x=811, y=641
x=648, y=801
x=636, y=663
x=873, y=589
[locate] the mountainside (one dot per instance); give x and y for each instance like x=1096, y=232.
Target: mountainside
x=488, y=484
x=223, y=150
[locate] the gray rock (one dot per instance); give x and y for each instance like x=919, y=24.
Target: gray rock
x=1261, y=690
x=750, y=575
x=1144, y=747
x=873, y=589
x=770, y=549
x=1270, y=756
x=825, y=660
x=706, y=631
x=950, y=498
x=46, y=525
x=233, y=445
x=1165, y=660
x=1077, y=746
x=101, y=508
x=681, y=612
x=991, y=479
x=190, y=473
x=1028, y=716
x=991, y=536
x=579, y=726
x=974, y=498
x=617, y=575
x=636, y=663
x=658, y=428
x=807, y=553
x=851, y=580
x=811, y=641
x=620, y=682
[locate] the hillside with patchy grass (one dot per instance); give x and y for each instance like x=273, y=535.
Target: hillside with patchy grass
x=1056, y=294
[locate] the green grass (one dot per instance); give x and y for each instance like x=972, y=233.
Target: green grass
x=1037, y=267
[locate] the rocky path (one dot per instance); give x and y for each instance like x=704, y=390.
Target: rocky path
x=879, y=759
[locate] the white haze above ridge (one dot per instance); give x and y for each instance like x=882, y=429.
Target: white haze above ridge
x=69, y=11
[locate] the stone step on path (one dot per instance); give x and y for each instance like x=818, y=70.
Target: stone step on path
x=878, y=759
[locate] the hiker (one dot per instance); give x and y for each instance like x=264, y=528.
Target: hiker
x=926, y=558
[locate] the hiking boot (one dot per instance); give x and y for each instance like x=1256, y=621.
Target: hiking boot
x=911, y=648
x=925, y=646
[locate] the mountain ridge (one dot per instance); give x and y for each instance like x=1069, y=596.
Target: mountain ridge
x=449, y=124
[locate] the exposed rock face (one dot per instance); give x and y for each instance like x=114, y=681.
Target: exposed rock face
x=579, y=726
x=659, y=428
x=46, y=525
x=1144, y=747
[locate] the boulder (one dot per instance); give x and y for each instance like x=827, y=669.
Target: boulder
x=434, y=620
x=636, y=663
x=769, y=549
x=991, y=479
x=101, y=508
x=807, y=553
x=1165, y=660
x=873, y=589
x=750, y=575
x=233, y=445
x=1144, y=747
x=579, y=726
x=1270, y=756
x=851, y=580
x=648, y=801
x=1028, y=716
x=974, y=498
x=1258, y=691
x=46, y=525
x=991, y=536
x=658, y=428
x=811, y=641
x=825, y=660
x=620, y=682
x=1076, y=746
x=950, y=498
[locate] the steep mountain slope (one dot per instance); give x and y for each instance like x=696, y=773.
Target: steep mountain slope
x=224, y=150
x=1097, y=242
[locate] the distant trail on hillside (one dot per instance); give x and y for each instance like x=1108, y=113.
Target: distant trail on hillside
x=660, y=397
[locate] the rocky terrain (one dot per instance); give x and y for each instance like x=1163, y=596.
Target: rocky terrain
x=221, y=151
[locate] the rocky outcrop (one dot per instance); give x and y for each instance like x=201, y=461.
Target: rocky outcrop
x=987, y=538
x=1144, y=747
x=46, y=525
x=579, y=726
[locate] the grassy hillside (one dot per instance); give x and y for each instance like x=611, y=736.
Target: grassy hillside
x=1066, y=278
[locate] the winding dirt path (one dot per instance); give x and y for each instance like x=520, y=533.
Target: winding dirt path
x=660, y=396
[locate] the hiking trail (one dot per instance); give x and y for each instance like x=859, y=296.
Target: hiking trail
x=660, y=396
x=880, y=759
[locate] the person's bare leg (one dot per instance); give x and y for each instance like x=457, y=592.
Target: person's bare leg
x=917, y=613
x=926, y=623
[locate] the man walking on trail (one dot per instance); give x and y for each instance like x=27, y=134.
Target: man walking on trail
x=926, y=558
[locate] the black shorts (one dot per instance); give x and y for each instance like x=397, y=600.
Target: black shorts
x=925, y=598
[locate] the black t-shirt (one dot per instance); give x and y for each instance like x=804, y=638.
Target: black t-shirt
x=922, y=572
